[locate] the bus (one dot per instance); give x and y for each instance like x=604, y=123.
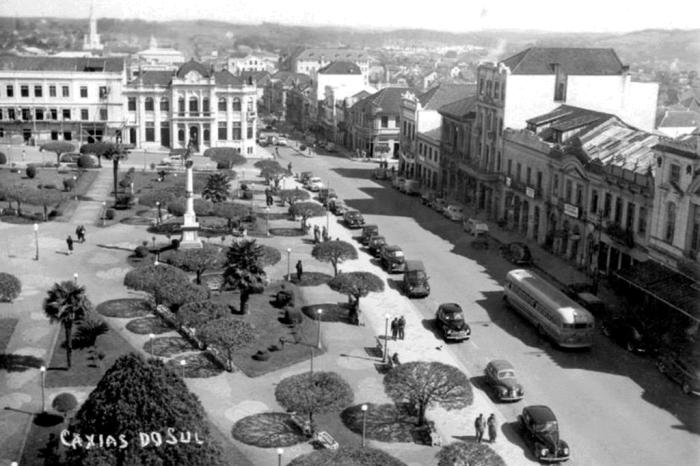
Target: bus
x=553, y=313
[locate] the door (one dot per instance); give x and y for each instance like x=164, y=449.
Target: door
x=165, y=136
x=194, y=138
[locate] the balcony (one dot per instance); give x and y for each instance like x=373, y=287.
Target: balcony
x=620, y=234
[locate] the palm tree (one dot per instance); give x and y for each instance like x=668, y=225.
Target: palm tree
x=115, y=152
x=244, y=270
x=217, y=188
x=66, y=303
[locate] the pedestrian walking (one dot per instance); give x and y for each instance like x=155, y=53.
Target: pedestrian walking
x=394, y=328
x=24, y=154
x=479, y=426
x=492, y=428
x=69, y=242
x=317, y=234
x=300, y=270
x=401, y=327
x=77, y=233
x=324, y=234
x=289, y=167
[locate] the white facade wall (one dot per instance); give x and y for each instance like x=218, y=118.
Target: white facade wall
x=427, y=120
x=343, y=85
x=675, y=131
x=527, y=96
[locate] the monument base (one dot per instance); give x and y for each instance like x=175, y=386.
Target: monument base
x=190, y=238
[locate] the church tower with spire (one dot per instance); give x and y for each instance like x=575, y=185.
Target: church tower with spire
x=91, y=41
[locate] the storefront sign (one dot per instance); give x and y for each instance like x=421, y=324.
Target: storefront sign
x=530, y=192
x=571, y=210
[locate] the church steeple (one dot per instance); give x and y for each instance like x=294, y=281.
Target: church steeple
x=91, y=41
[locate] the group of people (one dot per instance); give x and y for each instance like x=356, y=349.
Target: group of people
x=80, y=232
x=481, y=424
x=398, y=326
x=321, y=234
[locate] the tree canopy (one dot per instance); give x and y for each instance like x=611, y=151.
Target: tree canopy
x=67, y=304
x=197, y=260
x=424, y=384
x=347, y=456
x=310, y=394
x=45, y=198
x=217, y=188
x=174, y=294
x=356, y=284
x=290, y=196
x=334, y=252
x=148, y=277
x=142, y=396
x=10, y=287
x=227, y=334
x=244, y=270
x=58, y=147
x=225, y=155
x=64, y=403
x=473, y=454
x=199, y=313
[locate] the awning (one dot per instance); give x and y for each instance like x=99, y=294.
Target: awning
x=668, y=286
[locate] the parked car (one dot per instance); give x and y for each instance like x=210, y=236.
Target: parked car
x=450, y=321
x=627, y=332
x=439, y=205
x=541, y=431
x=415, y=280
x=500, y=376
x=375, y=244
x=392, y=259
x=427, y=197
x=410, y=187
x=454, y=213
x=325, y=195
x=305, y=176
x=583, y=293
x=315, y=184
x=282, y=141
x=475, y=227
x=70, y=157
x=380, y=174
x=171, y=160
x=398, y=182
x=517, y=253
x=685, y=371
x=367, y=232
x=353, y=219
x=337, y=206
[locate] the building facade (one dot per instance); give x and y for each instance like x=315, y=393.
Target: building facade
x=256, y=61
x=193, y=105
x=375, y=123
x=428, y=158
x=60, y=99
x=310, y=60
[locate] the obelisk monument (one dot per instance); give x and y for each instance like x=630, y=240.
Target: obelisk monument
x=190, y=238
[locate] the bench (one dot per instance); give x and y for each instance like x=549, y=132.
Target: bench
x=380, y=346
x=326, y=440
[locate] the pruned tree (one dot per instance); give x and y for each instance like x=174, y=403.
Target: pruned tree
x=198, y=313
x=425, y=384
x=67, y=304
x=306, y=210
x=228, y=335
x=291, y=196
x=231, y=212
x=64, y=403
x=10, y=287
x=58, y=147
x=137, y=395
x=116, y=153
x=356, y=285
x=217, y=188
x=45, y=198
x=98, y=149
x=176, y=294
x=472, y=454
x=148, y=277
x=15, y=192
x=334, y=252
x=196, y=261
x=226, y=156
x=271, y=170
x=347, y=455
x=316, y=393
x=244, y=270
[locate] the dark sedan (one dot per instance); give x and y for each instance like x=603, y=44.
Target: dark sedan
x=541, y=431
x=628, y=333
x=517, y=253
x=375, y=244
x=450, y=321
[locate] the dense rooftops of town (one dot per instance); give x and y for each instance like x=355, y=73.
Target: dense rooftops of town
x=332, y=54
x=460, y=109
x=387, y=100
x=67, y=64
x=340, y=67
x=436, y=97
x=571, y=61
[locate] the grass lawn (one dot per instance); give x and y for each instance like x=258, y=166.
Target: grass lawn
x=7, y=326
x=270, y=325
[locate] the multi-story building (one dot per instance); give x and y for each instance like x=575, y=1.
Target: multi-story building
x=375, y=123
x=277, y=89
x=193, y=105
x=428, y=158
x=310, y=60
x=581, y=183
x=343, y=77
x=344, y=117
x=255, y=61
x=419, y=114
x=156, y=58
x=302, y=106
x=60, y=99
x=261, y=80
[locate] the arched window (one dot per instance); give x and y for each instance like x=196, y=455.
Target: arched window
x=222, y=104
x=148, y=104
x=670, y=222
x=164, y=105
x=194, y=105
x=236, y=104
x=181, y=105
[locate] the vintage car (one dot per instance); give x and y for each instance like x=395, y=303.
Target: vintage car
x=304, y=177
x=541, y=431
x=375, y=244
x=450, y=321
x=392, y=259
x=628, y=333
x=685, y=371
x=415, y=280
x=353, y=219
x=500, y=375
x=325, y=195
x=427, y=197
x=584, y=293
x=315, y=184
x=454, y=212
x=475, y=227
x=337, y=206
x=517, y=253
x=367, y=232
x=439, y=205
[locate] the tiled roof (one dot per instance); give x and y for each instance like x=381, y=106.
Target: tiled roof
x=463, y=108
x=257, y=76
x=193, y=66
x=387, y=100
x=225, y=78
x=83, y=64
x=332, y=54
x=340, y=67
x=444, y=94
x=687, y=146
x=568, y=117
x=155, y=78
x=573, y=61
x=676, y=119
x=433, y=134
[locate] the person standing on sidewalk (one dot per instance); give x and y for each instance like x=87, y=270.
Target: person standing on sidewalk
x=492, y=428
x=69, y=242
x=401, y=327
x=300, y=270
x=394, y=328
x=479, y=426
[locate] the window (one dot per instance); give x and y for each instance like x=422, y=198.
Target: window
x=38, y=91
x=66, y=113
x=11, y=114
x=223, y=130
x=528, y=175
x=67, y=136
x=52, y=93
x=404, y=129
x=54, y=135
x=510, y=167
x=481, y=85
x=194, y=105
x=221, y=105
x=385, y=122
x=503, y=90
x=103, y=114
x=496, y=87
x=519, y=171
x=539, y=180
x=396, y=122
x=84, y=114
x=236, y=105
x=568, y=191
x=249, y=132
x=39, y=113
x=53, y=114
x=579, y=195
x=236, y=135
x=24, y=91
x=594, y=201
x=83, y=92
x=181, y=132
x=629, y=223
x=26, y=114
x=249, y=106
x=207, y=133
x=670, y=222
x=150, y=132
x=65, y=91
x=10, y=89
x=205, y=106
x=103, y=92
x=131, y=104
x=181, y=106
x=164, y=105
x=618, y=210
x=148, y=104
x=675, y=174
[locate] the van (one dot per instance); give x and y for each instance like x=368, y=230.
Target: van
x=475, y=227
x=411, y=187
x=415, y=280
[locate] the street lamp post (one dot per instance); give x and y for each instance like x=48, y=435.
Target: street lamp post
x=318, y=333
x=183, y=363
x=75, y=184
x=159, y=216
x=280, y=452
x=75, y=278
x=289, y=264
x=267, y=221
x=364, y=423
x=43, y=388
x=36, y=241
x=150, y=343
x=386, y=337
x=104, y=212
x=328, y=222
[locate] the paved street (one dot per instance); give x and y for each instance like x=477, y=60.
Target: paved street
x=613, y=407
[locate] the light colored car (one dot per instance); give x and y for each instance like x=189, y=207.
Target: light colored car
x=315, y=184
x=454, y=213
x=282, y=141
x=411, y=187
x=439, y=205
x=172, y=160
x=475, y=227
x=500, y=375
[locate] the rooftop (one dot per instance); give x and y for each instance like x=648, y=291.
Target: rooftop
x=461, y=109
x=433, y=134
x=680, y=119
x=444, y=94
x=572, y=61
x=387, y=100
x=332, y=54
x=68, y=64
x=340, y=67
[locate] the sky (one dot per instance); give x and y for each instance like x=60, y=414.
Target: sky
x=447, y=15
